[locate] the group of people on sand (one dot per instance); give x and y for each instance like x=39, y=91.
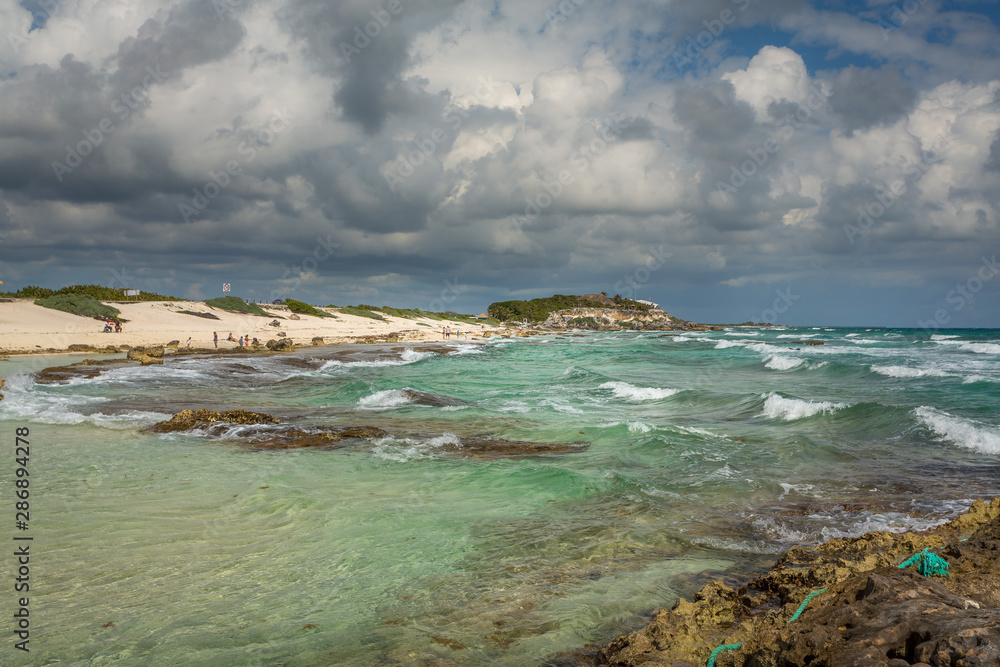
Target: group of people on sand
x=244, y=341
x=112, y=325
x=446, y=333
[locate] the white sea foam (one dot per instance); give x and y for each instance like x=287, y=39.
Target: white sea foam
x=407, y=357
x=781, y=363
x=797, y=335
x=801, y=489
x=389, y=398
x=943, y=337
x=632, y=393
x=910, y=372
x=981, y=348
x=723, y=344
x=471, y=349
x=639, y=427
x=960, y=431
x=851, y=335
x=850, y=525
x=790, y=409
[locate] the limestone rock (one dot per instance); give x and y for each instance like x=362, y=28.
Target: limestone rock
x=318, y=340
x=80, y=347
x=872, y=612
x=280, y=345
x=185, y=420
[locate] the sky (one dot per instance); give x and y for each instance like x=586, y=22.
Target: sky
x=831, y=163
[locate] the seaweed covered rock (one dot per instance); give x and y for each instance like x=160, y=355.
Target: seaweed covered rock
x=280, y=345
x=860, y=608
x=185, y=420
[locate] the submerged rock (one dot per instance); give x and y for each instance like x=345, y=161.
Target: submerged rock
x=432, y=400
x=872, y=612
x=86, y=369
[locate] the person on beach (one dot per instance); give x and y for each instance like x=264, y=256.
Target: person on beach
x=189, y=341
x=241, y=341
x=231, y=337
x=215, y=338
x=118, y=326
x=443, y=335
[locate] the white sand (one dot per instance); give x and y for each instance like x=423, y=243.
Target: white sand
x=27, y=328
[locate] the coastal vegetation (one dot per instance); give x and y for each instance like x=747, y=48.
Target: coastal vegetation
x=235, y=304
x=78, y=304
x=538, y=310
x=303, y=308
x=96, y=292
x=360, y=311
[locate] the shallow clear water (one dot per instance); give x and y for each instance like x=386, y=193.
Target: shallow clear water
x=707, y=452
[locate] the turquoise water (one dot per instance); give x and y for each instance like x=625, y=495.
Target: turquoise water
x=707, y=453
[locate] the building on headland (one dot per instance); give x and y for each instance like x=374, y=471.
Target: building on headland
x=654, y=306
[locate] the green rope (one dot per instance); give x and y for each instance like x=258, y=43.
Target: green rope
x=802, y=607
x=928, y=564
x=716, y=652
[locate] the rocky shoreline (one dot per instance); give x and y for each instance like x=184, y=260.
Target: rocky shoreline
x=861, y=608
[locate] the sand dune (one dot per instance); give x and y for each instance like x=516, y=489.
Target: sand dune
x=27, y=328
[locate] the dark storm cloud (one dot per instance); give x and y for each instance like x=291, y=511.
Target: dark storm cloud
x=187, y=35
x=713, y=116
x=993, y=161
x=365, y=47
x=864, y=97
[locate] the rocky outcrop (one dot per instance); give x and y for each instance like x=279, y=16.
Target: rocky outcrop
x=284, y=345
x=262, y=431
x=146, y=356
x=186, y=420
x=872, y=613
x=615, y=319
x=318, y=340
x=1, y=387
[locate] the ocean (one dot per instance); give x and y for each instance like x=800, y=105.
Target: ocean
x=700, y=455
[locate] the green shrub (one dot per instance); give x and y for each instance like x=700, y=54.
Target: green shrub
x=360, y=312
x=583, y=323
x=304, y=308
x=79, y=304
x=96, y=291
x=235, y=304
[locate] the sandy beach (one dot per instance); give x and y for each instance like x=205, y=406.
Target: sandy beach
x=26, y=328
